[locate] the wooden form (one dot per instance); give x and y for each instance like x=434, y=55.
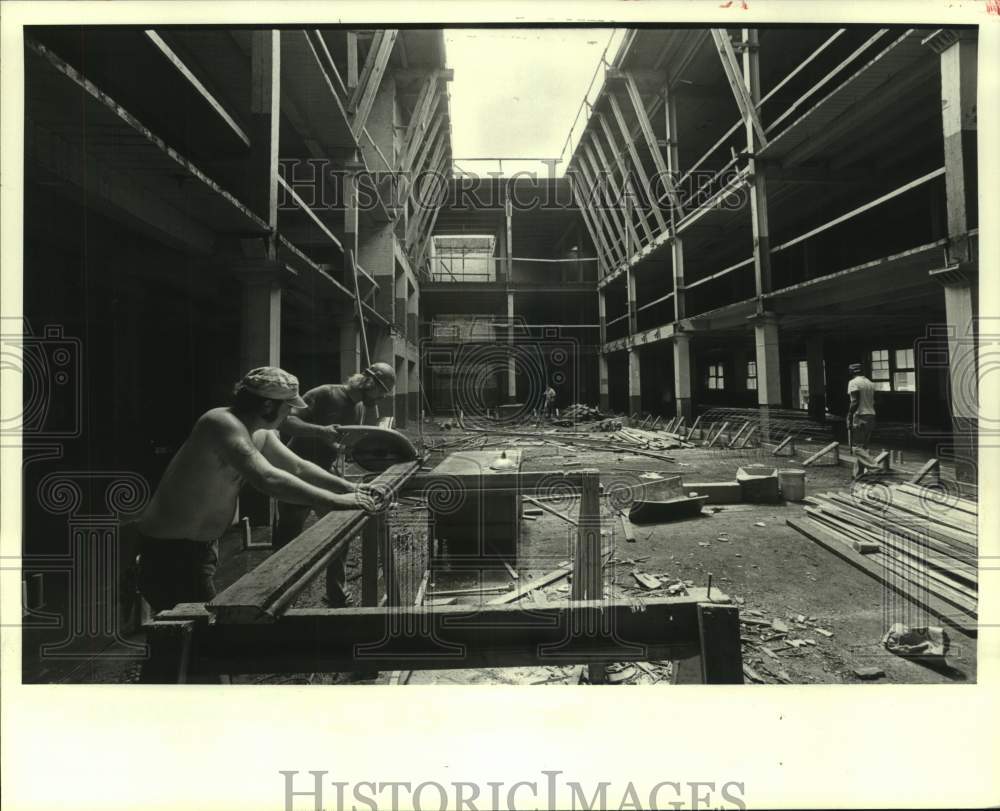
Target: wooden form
x=187, y=645
x=264, y=593
x=718, y=433
x=833, y=448
x=787, y=442
x=735, y=438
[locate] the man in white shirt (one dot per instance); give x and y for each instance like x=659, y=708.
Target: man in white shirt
x=861, y=414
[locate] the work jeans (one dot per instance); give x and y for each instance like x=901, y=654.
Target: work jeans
x=861, y=428
x=288, y=524
x=176, y=570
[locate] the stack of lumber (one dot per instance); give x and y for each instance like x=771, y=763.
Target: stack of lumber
x=903, y=537
x=579, y=412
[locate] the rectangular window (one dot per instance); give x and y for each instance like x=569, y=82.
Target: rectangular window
x=803, y=385
x=716, y=378
x=752, y=375
x=880, y=370
x=904, y=377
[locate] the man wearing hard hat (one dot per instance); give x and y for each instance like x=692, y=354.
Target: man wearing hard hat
x=313, y=435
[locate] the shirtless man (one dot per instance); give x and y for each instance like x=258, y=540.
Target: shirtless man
x=314, y=436
x=196, y=498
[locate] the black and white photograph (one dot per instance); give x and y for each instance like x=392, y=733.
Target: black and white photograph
x=641, y=357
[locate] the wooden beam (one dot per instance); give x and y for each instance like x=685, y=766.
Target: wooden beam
x=787, y=441
x=833, y=447
x=930, y=466
x=599, y=211
x=351, y=38
x=261, y=595
x=654, y=148
x=196, y=83
x=595, y=236
x=636, y=162
x=417, y=125
x=613, y=198
x=459, y=636
x=626, y=177
x=364, y=94
x=748, y=110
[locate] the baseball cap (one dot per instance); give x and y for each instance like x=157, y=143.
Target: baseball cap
x=854, y=368
x=272, y=383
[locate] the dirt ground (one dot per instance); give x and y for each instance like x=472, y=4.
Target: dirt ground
x=834, y=615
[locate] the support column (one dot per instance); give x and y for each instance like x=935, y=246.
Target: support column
x=682, y=376
x=959, y=55
x=604, y=396
x=817, y=377
x=260, y=299
x=350, y=348
x=768, y=370
x=602, y=315
x=413, y=389
x=400, y=397
x=633, y=313
x=634, y=382
x=758, y=186
x=511, y=365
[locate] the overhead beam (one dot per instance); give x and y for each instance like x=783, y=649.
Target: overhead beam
x=623, y=171
x=614, y=197
x=731, y=66
x=595, y=236
x=363, y=97
x=602, y=217
x=636, y=161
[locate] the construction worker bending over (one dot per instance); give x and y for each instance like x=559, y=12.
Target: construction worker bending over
x=314, y=436
x=196, y=498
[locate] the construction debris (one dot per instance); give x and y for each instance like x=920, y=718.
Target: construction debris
x=925, y=643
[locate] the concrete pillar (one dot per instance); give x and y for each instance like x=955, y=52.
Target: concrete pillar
x=350, y=348
x=959, y=55
x=768, y=370
x=682, y=376
x=817, y=377
x=758, y=186
x=400, y=398
x=677, y=260
x=634, y=382
x=511, y=365
x=260, y=316
x=604, y=396
x=633, y=313
x=602, y=315
x=413, y=389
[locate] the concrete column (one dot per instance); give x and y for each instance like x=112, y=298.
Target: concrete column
x=400, y=398
x=602, y=315
x=682, y=376
x=817, y=377
x=634, y=382
x=511, y=366
x=633, y=313
x=758, y=187
x=768, y=361
x=413, y=389
x=959, y=56
x=350, y=348
x=260, y=316
x=604, y=399
x=677, y=260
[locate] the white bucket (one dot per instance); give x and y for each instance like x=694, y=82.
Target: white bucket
x=792, y=483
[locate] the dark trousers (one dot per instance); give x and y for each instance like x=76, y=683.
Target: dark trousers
x=288, y=524
x=176, y=570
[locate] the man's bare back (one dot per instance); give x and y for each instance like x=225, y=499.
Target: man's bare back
x=196, y=498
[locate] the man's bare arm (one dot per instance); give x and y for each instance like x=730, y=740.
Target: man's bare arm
x=279, y=455
x=238, y=450
x=855, y=403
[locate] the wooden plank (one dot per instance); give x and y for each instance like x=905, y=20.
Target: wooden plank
x=715, y=439
x=626, y=177
x=963, y=504
x=930, y=466
x=928, y=602
x=363, y=97
x=627, y=527
x=732, y=442
x=549, y=509
x=721, y=652
x=459, y=636
x=555, y=575
x=832, y=447
x=260, y=595
x=654, y=148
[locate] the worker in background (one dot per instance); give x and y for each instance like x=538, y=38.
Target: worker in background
x=548, y=408
x=313, y=435
x=196, y=498
x=861, y=414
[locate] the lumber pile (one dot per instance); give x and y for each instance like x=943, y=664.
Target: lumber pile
x=899, y=534
x=580, y=412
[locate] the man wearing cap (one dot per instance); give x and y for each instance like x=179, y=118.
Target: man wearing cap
x=196, y=498
x=314, y=436
x=861, y=414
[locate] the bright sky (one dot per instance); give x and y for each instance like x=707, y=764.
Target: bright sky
x=516, y=91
